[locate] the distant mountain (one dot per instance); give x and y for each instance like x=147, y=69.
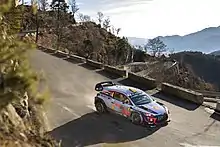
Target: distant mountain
x=217, y=53
x=137, y=41
x=206, y=40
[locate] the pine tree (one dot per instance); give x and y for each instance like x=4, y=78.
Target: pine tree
x=16, y=76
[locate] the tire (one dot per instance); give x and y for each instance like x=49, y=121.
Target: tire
x=100, y=107
x=136, y=118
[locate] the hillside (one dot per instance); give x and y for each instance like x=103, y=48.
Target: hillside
x=21, y=103
x=207, y=67
x=216, y=53
x=206, y=40
x=86, y=39
x=92, y=41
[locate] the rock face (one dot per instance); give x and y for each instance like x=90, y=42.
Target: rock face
x=22, y=106
x=10, y=115
x=20, y=128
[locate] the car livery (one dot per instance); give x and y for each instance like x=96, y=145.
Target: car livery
x=130, y=102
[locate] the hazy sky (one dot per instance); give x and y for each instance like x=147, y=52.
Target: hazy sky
x=150, y=18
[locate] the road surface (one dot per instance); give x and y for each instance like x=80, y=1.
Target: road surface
x=72, y=118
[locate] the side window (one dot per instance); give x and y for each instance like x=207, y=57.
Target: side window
x=108, y=93
x=111, y=93
x=120, y=97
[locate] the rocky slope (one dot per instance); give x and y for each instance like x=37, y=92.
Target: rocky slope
x=21, y=117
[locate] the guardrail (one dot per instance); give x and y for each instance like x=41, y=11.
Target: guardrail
x=190, y=95
x=149, y=82
x=76, y=58
x=116, y=71
x=61, y=54
x=209, y=93
x=94, y=64
x=183, y=93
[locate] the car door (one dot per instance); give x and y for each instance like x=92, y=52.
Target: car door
x=116, y=102
x=126, y=107
x=108, y=95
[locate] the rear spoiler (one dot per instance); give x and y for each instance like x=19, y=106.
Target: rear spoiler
x=101, y=85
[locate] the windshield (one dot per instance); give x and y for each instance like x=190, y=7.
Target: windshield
x=141, y=99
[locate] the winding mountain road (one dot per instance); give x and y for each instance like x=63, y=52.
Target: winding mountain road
x=72, y=119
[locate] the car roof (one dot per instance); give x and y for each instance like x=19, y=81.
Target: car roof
x=126, y=90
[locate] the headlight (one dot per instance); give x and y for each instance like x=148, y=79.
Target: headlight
x=148, y=114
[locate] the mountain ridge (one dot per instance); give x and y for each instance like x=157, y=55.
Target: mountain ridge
x=206, y=40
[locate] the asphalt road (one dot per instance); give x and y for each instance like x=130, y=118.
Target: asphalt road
x=72, y=118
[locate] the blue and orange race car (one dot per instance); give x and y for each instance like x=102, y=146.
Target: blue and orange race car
x=130, y=102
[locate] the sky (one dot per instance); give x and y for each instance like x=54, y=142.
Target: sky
x=151, y=18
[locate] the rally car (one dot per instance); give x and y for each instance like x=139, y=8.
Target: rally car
x=130, y=102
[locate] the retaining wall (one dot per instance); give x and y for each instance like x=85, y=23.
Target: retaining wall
x=94, y=64
x=182, y=93
x=76, y=58
x=61, y=54
x=116, y=71
x=149, y=82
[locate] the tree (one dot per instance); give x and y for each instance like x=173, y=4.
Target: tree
x=61, y=7
x=16, y=75
x=100, y=17
x=156, y=46
x=123, y=51
x=84, y=18
x=118, y=30
x=74, y=7
x=106, y=23
x=43, y=4
x=81, y=17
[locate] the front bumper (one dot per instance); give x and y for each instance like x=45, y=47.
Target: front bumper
x=156, y=123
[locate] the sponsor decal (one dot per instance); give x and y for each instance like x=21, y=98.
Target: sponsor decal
x=113, y=107
x=126, y=111
x=132, y=90
x=156, y=107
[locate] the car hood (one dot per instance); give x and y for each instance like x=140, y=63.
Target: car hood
x=153, y=107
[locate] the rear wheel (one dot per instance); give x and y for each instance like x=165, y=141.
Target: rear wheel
x=136, y=118
x=100, y=107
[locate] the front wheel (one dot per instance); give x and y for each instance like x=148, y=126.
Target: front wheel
x=100, y=107
x=136, y=118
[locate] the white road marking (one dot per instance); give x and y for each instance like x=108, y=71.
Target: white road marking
x=91, y=107
x=190, y=145
x=69, y=110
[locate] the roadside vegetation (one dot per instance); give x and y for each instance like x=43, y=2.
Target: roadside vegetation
x=21, y=121
x=63, y=27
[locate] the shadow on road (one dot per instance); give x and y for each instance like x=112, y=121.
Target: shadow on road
x=48, y=51
x=129, y=82
x=216, y=116
x=107, y=74
x=88, y=66
x=176, y=101
x=72, y=60
x=92, y=129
